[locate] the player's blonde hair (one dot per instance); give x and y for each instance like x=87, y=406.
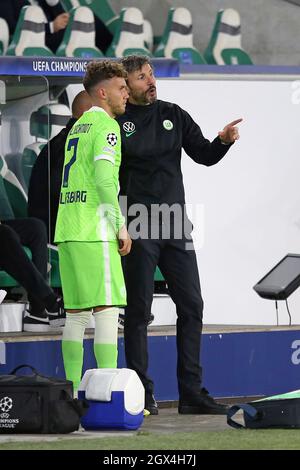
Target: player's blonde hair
x=100, y=70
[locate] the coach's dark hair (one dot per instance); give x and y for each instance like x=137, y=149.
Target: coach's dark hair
x=133, y=63
x=97, y=71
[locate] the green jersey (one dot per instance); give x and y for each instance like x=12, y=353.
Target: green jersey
x=88, y=205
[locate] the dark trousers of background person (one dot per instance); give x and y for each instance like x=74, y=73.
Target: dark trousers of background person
x=179, y=268
x=32, y=276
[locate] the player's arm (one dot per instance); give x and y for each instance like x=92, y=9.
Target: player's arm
x=110, y=204
x=104, y=160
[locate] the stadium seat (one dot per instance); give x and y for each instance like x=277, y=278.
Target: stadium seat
x=29, y=35
x=129, y=37
x=148, y=35
x=69, y=4
x=14, y=163
x=30, y=154
x=101, y=8
x=45, y=123
x=6, y=212
x=48, y=120
x=177, y=40
x=15, y=193
x=79, y=37
x=4, y=36
x=225, y=46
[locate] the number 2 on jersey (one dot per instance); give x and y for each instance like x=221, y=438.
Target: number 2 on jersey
x=73, y=143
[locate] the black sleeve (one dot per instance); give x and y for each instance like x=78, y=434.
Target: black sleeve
x=51, y=12
x=196, y=146
x=38, y=203
x=53, y=40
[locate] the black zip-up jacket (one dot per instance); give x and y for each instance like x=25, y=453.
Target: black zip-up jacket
x=152, y=140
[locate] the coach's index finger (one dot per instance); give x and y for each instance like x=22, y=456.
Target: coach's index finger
x=234, y=123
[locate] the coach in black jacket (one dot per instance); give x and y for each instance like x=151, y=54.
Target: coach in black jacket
x=153, y=134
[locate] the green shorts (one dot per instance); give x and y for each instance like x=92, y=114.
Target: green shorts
x=91, y=274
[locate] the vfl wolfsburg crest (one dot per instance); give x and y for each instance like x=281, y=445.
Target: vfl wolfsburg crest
x=168, y=125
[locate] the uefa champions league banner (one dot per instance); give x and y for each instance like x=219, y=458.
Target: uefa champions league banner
x=69, y=66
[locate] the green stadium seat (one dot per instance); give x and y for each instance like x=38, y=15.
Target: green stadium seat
x=6, y=212
x=101, y=8
x=48, y=120
x=4, y=36
x=129, y=37
x=29, y=35
x=106, y=14
x=225, y=47
x=30, y=154
x=148, y=35
x=158, y=275
x=14, y=163
x=177, y=40
x=79, y=37
x=45, y=123
x=15, y=193
x=54, y=272
x=69, y=4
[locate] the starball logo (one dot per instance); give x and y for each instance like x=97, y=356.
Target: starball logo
x=6, y=404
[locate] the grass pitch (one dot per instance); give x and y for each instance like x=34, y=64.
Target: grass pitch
x=221, y=440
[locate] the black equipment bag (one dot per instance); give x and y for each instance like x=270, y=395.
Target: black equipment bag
x=267, y=413
x=38, y=404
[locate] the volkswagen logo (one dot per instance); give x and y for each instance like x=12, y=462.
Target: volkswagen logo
x=128, y=126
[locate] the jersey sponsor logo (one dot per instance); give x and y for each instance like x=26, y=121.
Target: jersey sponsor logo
x=112, y=139
x=108, y=150
x=168, y=125
x=129, y=128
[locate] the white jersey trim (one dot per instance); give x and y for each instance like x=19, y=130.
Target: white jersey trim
x=105, y=157
x=96, y=108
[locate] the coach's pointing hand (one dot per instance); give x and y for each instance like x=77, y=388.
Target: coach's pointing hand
x=230, y=133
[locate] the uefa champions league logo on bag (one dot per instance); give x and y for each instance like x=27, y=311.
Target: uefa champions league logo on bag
x=6, y=405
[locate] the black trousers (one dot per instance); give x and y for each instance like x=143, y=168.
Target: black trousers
x=179, y=267
x=32, y=275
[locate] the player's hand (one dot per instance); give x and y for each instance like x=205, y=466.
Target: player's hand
x=60, y=22
x=124, y=241
x=230, y=133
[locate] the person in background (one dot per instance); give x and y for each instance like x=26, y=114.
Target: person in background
x=57, y=18
x=42, y=201
x=44, y=304
x=154, y=133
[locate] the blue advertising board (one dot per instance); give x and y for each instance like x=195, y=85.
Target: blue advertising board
x=69, y=66
x=234, y=364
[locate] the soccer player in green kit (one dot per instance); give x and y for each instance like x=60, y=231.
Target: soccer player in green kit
x=90, y=229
